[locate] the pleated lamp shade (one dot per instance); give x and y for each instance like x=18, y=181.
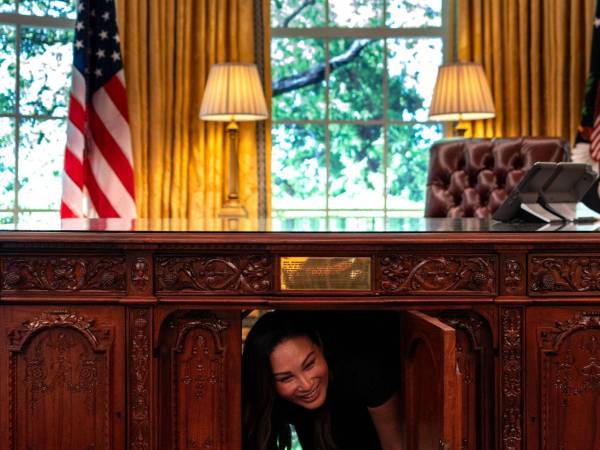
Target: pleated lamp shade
x=233, y=93
x=461, y=92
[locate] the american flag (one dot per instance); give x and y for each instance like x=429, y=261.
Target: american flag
x=98, y=178
x=587, y=142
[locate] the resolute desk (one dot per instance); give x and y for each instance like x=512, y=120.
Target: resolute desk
x=132, y=339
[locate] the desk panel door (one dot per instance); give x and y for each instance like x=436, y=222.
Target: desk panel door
x=563, y=378
x=431, y=388
x=62, y=376
x=475, y=361
x=199, y=380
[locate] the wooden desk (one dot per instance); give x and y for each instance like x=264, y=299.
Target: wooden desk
x=132, y=339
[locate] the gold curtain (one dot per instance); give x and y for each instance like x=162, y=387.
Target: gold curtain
x=179, y=160
x=536, y=56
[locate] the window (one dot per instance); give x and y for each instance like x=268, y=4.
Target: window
x=35, y=66
x=351, y=138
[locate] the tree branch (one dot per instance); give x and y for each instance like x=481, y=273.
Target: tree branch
x=316, y=74
x=298, y=10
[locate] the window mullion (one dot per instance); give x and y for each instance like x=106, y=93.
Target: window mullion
x=17, y=121
x=357, y=33
x=327, y=119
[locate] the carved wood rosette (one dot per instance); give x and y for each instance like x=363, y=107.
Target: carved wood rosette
x=59, y=361
x=197, y=382
x=426, y=274
x=140, y=378
x=241, y=274
x=564, y=275
x=512, y=379
x=570, y=381
x=68, y=273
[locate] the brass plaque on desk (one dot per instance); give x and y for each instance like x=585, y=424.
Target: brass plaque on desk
x=319, y=273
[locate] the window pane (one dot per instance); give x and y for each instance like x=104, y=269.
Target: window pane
x=356, y=88
x=7, y=5
x=297, y=13
x=41, y=153
x=7, y=163
x=39, y=220
x=55, y=8
x=8, y=64
x=412, y=69
x=408, y=156
x=356, y=167
x=299, y=221
x=298, y=167
x=356, y=221
x=355, y=13
x=7, y=221
x=291, y=60
x=414, y=13
x=46, y=58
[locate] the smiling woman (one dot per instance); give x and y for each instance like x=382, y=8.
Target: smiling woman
x=313, y=373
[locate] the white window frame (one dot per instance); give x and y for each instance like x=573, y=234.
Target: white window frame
x=379, y=32
x=19, y=21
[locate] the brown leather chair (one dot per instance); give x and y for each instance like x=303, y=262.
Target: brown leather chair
x=472, y=177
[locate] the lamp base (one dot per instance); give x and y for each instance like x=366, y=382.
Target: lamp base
x=231, y=214
x=460, y=129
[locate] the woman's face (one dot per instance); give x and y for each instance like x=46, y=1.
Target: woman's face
x=300, y=372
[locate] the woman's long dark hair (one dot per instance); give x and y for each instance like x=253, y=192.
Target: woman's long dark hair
x=267, y=417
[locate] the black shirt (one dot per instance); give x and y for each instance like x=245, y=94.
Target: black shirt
x=364, y=373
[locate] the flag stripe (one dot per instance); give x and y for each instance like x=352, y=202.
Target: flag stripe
x=114, y=122
x=78, y=86
x=66, y=213
x=72, y=196
x=116, y=91
x=74, y=168
x=75, y=141
x=111, y=151
x=76, y=114
x=110, y=184
x=100, y=201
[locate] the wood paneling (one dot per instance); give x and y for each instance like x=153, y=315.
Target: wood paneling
x=199, y=376
x=563, y=379
x=62, y=375
x=432, y=410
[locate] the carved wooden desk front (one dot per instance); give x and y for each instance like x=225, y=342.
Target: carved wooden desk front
x=132, y=339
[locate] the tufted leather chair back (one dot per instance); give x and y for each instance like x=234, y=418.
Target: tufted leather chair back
x=472, y=177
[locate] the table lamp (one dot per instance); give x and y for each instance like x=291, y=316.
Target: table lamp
x=233, y=94
x=461, y=92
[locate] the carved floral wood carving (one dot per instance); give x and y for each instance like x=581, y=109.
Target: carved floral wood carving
x=59, y=361
x=472, y=326
x=69, y=273
x=140, y=273
x=513, y=276
x=140, y=378
x=422, y=273
x=512, y=434
x=570, y=353
x=198, y=368
x=569, y=274
x=243, y=274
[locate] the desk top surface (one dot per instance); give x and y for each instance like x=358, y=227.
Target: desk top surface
x=308, y=225
x=404, y=230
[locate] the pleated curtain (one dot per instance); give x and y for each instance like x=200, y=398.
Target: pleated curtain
x=536, y=56
x=180, y=162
